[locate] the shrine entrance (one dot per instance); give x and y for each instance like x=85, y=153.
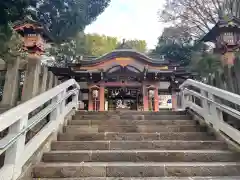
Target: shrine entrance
x=124, y=98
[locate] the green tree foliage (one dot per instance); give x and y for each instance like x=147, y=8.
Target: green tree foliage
x=97, y=45
x=63, y=19
x=82, y=45
x=139, y=45
x=174, y=52
x=12, y=10
x=66, y=18
x=63, y=53
x=206, y=64
x=175, y=45
x=89, y=45
x=11, y=49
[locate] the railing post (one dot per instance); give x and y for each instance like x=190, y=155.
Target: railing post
x=43, y=81
x=63, y=103
x=183, y=99
x=215, y=118
x=54, y=115
x=13, y=154
x=205, y=106
x=75, y=100
x=50, y=80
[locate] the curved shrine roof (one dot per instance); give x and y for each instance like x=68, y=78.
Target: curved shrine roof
x=124, y=53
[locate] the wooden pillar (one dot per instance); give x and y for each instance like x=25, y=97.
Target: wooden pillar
x=102, y=98
x=156, y=100
x=11, y=85
x=90, y=101
x=174, y=101
x=31, y=81
x=145, y=98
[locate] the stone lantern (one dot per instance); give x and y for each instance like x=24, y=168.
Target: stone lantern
x=34, y=34
x=35, y=37
x=226, y=37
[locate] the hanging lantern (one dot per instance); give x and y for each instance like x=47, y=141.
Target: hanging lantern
x=95, y=93
x=151, y=93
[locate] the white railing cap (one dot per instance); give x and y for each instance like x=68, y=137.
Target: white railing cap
x=234, y=98
x=11, y=116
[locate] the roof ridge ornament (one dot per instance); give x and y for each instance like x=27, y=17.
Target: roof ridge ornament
x=124, y=45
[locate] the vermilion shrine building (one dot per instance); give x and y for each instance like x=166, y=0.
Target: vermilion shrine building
x=124, y=79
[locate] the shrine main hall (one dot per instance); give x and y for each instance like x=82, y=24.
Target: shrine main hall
x=125, y=79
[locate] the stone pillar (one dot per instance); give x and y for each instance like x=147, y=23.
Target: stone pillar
x=90, y=101
x=50, y=80
x=43, y=80
x=227, y=63
x=145, y=98
x=102, y=98
x=31, y=81
x=11, y=85
x=156, y=100
x=174, y=101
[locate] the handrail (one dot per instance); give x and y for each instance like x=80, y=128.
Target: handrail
x=17, y=151
x=234, y=98
x=210, y=109
x=34, y=120
x=220, y=106
x=17, y=112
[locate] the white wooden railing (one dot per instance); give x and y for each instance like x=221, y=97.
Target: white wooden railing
x=17, y=151
x=206, y=101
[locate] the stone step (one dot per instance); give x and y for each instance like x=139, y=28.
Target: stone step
x=147, y=178
x=92, y=116
x=130, y=145
x=156, y=117
x=161, y=112
x=135, y=117
x=126, y=169
x=141, y=156
x=135, y=136
x=132, y=122
x=109, y=113
x=132, y=128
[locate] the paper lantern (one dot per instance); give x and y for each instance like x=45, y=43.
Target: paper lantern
x=95, y=93
x=151, y=93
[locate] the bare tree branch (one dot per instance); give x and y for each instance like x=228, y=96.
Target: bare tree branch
x=199, y=15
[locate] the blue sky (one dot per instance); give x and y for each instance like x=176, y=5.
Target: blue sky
x=130, y=19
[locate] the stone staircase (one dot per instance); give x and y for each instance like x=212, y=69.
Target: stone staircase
x=164, y=145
